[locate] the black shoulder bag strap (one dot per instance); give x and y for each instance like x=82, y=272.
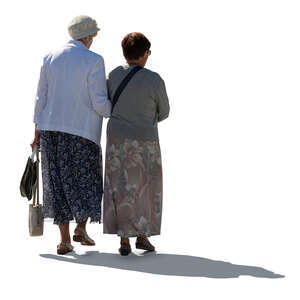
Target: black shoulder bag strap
x=122, y=86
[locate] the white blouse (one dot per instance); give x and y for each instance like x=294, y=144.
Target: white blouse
x=72, y=93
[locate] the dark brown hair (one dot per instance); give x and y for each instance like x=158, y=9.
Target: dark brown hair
x=134, y=45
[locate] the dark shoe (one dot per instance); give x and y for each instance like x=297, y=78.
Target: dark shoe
x=125, y=249
x=144, y=244
x=64, y=248
x=83, y=238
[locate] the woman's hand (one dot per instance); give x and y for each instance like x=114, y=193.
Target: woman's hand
x=36, y=140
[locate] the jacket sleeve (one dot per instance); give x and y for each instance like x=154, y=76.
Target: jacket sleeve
x=163, y=107
x=108, y=89
x=42, y=93
x=98, y=90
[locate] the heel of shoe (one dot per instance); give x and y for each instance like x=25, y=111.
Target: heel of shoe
x=142, y=246
x=125, y=250
x=77, y=238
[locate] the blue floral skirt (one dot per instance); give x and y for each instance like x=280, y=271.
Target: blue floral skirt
x=72, y=177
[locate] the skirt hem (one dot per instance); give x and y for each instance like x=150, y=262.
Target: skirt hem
x=148, y=234
x=93, y=219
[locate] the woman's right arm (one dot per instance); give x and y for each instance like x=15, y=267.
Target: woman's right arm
x=98, y=90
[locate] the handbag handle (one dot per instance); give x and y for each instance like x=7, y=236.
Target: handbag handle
x=34, y=151
x=122, y=85
x=36, y=198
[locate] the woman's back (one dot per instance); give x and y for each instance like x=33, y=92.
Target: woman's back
x=72, y=94
x=141, y=105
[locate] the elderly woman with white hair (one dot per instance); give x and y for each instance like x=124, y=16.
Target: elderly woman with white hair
x=71, y=102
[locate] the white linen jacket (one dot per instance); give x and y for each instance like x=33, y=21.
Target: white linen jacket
x=72, y=93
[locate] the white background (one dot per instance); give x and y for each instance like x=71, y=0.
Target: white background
x=230, y=147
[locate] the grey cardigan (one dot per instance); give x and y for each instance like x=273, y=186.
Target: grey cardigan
x=142, y=104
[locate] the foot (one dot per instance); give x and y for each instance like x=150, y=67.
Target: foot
x=82, y=237
x=125, y=249
x=143, y=243
x=64, y=248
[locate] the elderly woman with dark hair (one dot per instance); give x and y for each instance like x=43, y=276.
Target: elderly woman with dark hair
x=133, y=170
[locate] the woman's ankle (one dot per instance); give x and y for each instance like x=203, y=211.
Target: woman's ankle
x=142, y=237
x=124, y=240
x=81, y=225
x=64, y=233
x=66, y=240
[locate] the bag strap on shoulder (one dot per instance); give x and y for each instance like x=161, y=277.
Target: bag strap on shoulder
x=123, y=84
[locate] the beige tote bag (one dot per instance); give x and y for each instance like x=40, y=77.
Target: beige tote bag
x=36, y=220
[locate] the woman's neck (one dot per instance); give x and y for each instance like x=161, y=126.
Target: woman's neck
x=135, y=63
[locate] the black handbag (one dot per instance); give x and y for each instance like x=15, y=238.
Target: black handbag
x=29, y=177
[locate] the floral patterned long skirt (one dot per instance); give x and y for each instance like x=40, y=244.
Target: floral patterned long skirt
x=132, y=187
x=72, y=177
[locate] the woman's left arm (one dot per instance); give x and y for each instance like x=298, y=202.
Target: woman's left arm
x=36, y=139
x=163, y=107
x=41, y=94
x=40, y=102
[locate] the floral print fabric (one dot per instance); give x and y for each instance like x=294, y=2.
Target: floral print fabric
x=72, y=177
x=132, y=187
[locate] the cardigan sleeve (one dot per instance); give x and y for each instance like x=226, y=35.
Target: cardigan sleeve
x=98, y=90
x=42, y=92
x=163, y=107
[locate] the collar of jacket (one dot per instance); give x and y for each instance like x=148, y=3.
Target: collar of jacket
x=77, y=44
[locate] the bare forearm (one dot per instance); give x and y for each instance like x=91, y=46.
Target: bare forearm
x=36, y=139
x=36, y=131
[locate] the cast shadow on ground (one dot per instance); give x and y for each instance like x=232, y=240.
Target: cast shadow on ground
x=165, y=264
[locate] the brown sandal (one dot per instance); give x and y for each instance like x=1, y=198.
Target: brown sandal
x=83, y=238
x=144, y=244
x=125, y=249
x=64, y=248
